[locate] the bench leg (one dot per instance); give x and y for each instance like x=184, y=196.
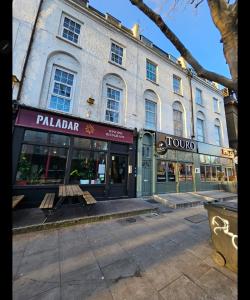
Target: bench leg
x=59, y=203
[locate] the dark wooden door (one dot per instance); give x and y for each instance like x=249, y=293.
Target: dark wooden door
x=118, y=175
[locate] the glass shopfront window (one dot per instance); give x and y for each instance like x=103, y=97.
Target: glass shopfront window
x=161, y=171
x=88, y=164
x=88, y=167
x=189, y=172
x=171, y=171
x=202, y=173
x=182, y=172
x=33, y=136
x=185, y=172
x=41, y=165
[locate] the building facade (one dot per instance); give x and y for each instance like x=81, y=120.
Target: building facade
x=96, y=98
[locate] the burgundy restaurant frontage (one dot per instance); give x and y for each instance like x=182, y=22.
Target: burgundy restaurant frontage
x=50, y=149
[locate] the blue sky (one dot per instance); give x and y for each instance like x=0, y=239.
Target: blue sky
x=194, y=27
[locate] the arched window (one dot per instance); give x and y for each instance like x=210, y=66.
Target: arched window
x=114, y=90
x=178, y=118
x=60, y=80
x=150, y=110
x=217, y=132
x=200, y=127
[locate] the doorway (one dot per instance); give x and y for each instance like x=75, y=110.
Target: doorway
x=118, y=173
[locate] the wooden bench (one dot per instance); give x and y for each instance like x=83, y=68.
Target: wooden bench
x=48, y=201
x=88, y=198
x=16, y=200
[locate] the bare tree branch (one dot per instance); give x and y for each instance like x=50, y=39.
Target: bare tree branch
x=185, y=53
x=197, y=4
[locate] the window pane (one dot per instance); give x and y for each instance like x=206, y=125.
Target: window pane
x=208, y=173
x=35, y=136
x=116, y=54
x=189, y=172
x=88, y=167
x=217, y=135
x=182, y=172
x=176, y=85
x=202, y=174
x=161, y=171
x=151, y=71
x=171, y=172
x=150, y=114
x=59, y=140
x=82, y=143
x=214, y=175
x=41, y=165
x=198, y=96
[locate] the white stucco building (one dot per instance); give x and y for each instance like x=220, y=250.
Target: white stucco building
x=86, y=65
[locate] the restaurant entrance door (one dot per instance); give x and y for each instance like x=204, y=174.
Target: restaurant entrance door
x=118, y=173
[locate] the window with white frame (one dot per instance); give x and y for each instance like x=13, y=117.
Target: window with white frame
x=216, y=105
x=150, y=114
x=200, y=127
x=113, y=105
x=178, y=118
x=217, y=132
x=117, y=54
x=177, y=85
x=70, y=30
x=61, y=90
x=151, y=69
x=198, y=96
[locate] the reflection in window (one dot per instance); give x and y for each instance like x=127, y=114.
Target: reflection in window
x=208, y=173
x=161, y=171
x=41, y=165
x=171, y=172
x=202, y=173
x=59, y=140
x=118, y=169
x=90, y=144
x=182, y=172
x=150, y=113
x=88, y=167
x=33, y=136
x=189, y=172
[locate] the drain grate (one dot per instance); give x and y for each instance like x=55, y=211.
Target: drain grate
x=128, y=221
x=197, y=218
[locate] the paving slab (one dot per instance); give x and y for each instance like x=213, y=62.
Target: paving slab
x=217, y=195
x=183, y=288
x=159, y=257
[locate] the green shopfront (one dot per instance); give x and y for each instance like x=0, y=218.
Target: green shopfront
x=171, y=164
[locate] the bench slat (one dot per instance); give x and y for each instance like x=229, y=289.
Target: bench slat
x=16, y=200
x=88, y=198
x=48, y=200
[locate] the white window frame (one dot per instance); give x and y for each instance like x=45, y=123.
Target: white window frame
x=123, y=54
x=155, y=115
x=217, y=129
x=217, y=106
x=61, y=29
x=156, y=70
x=179, y=92
x=197, y=90
x=112, y=110
x=203, y=130
x=51, y=88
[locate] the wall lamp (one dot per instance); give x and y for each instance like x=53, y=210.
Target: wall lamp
x=91, y=100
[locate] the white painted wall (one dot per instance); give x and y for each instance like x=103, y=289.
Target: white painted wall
x=90, y=60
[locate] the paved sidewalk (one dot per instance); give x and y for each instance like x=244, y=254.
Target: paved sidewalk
x=147, y=257
x=178, y=200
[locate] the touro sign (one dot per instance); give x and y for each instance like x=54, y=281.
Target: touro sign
x=164, y=142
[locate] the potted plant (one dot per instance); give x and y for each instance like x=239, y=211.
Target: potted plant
x=23, y=172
